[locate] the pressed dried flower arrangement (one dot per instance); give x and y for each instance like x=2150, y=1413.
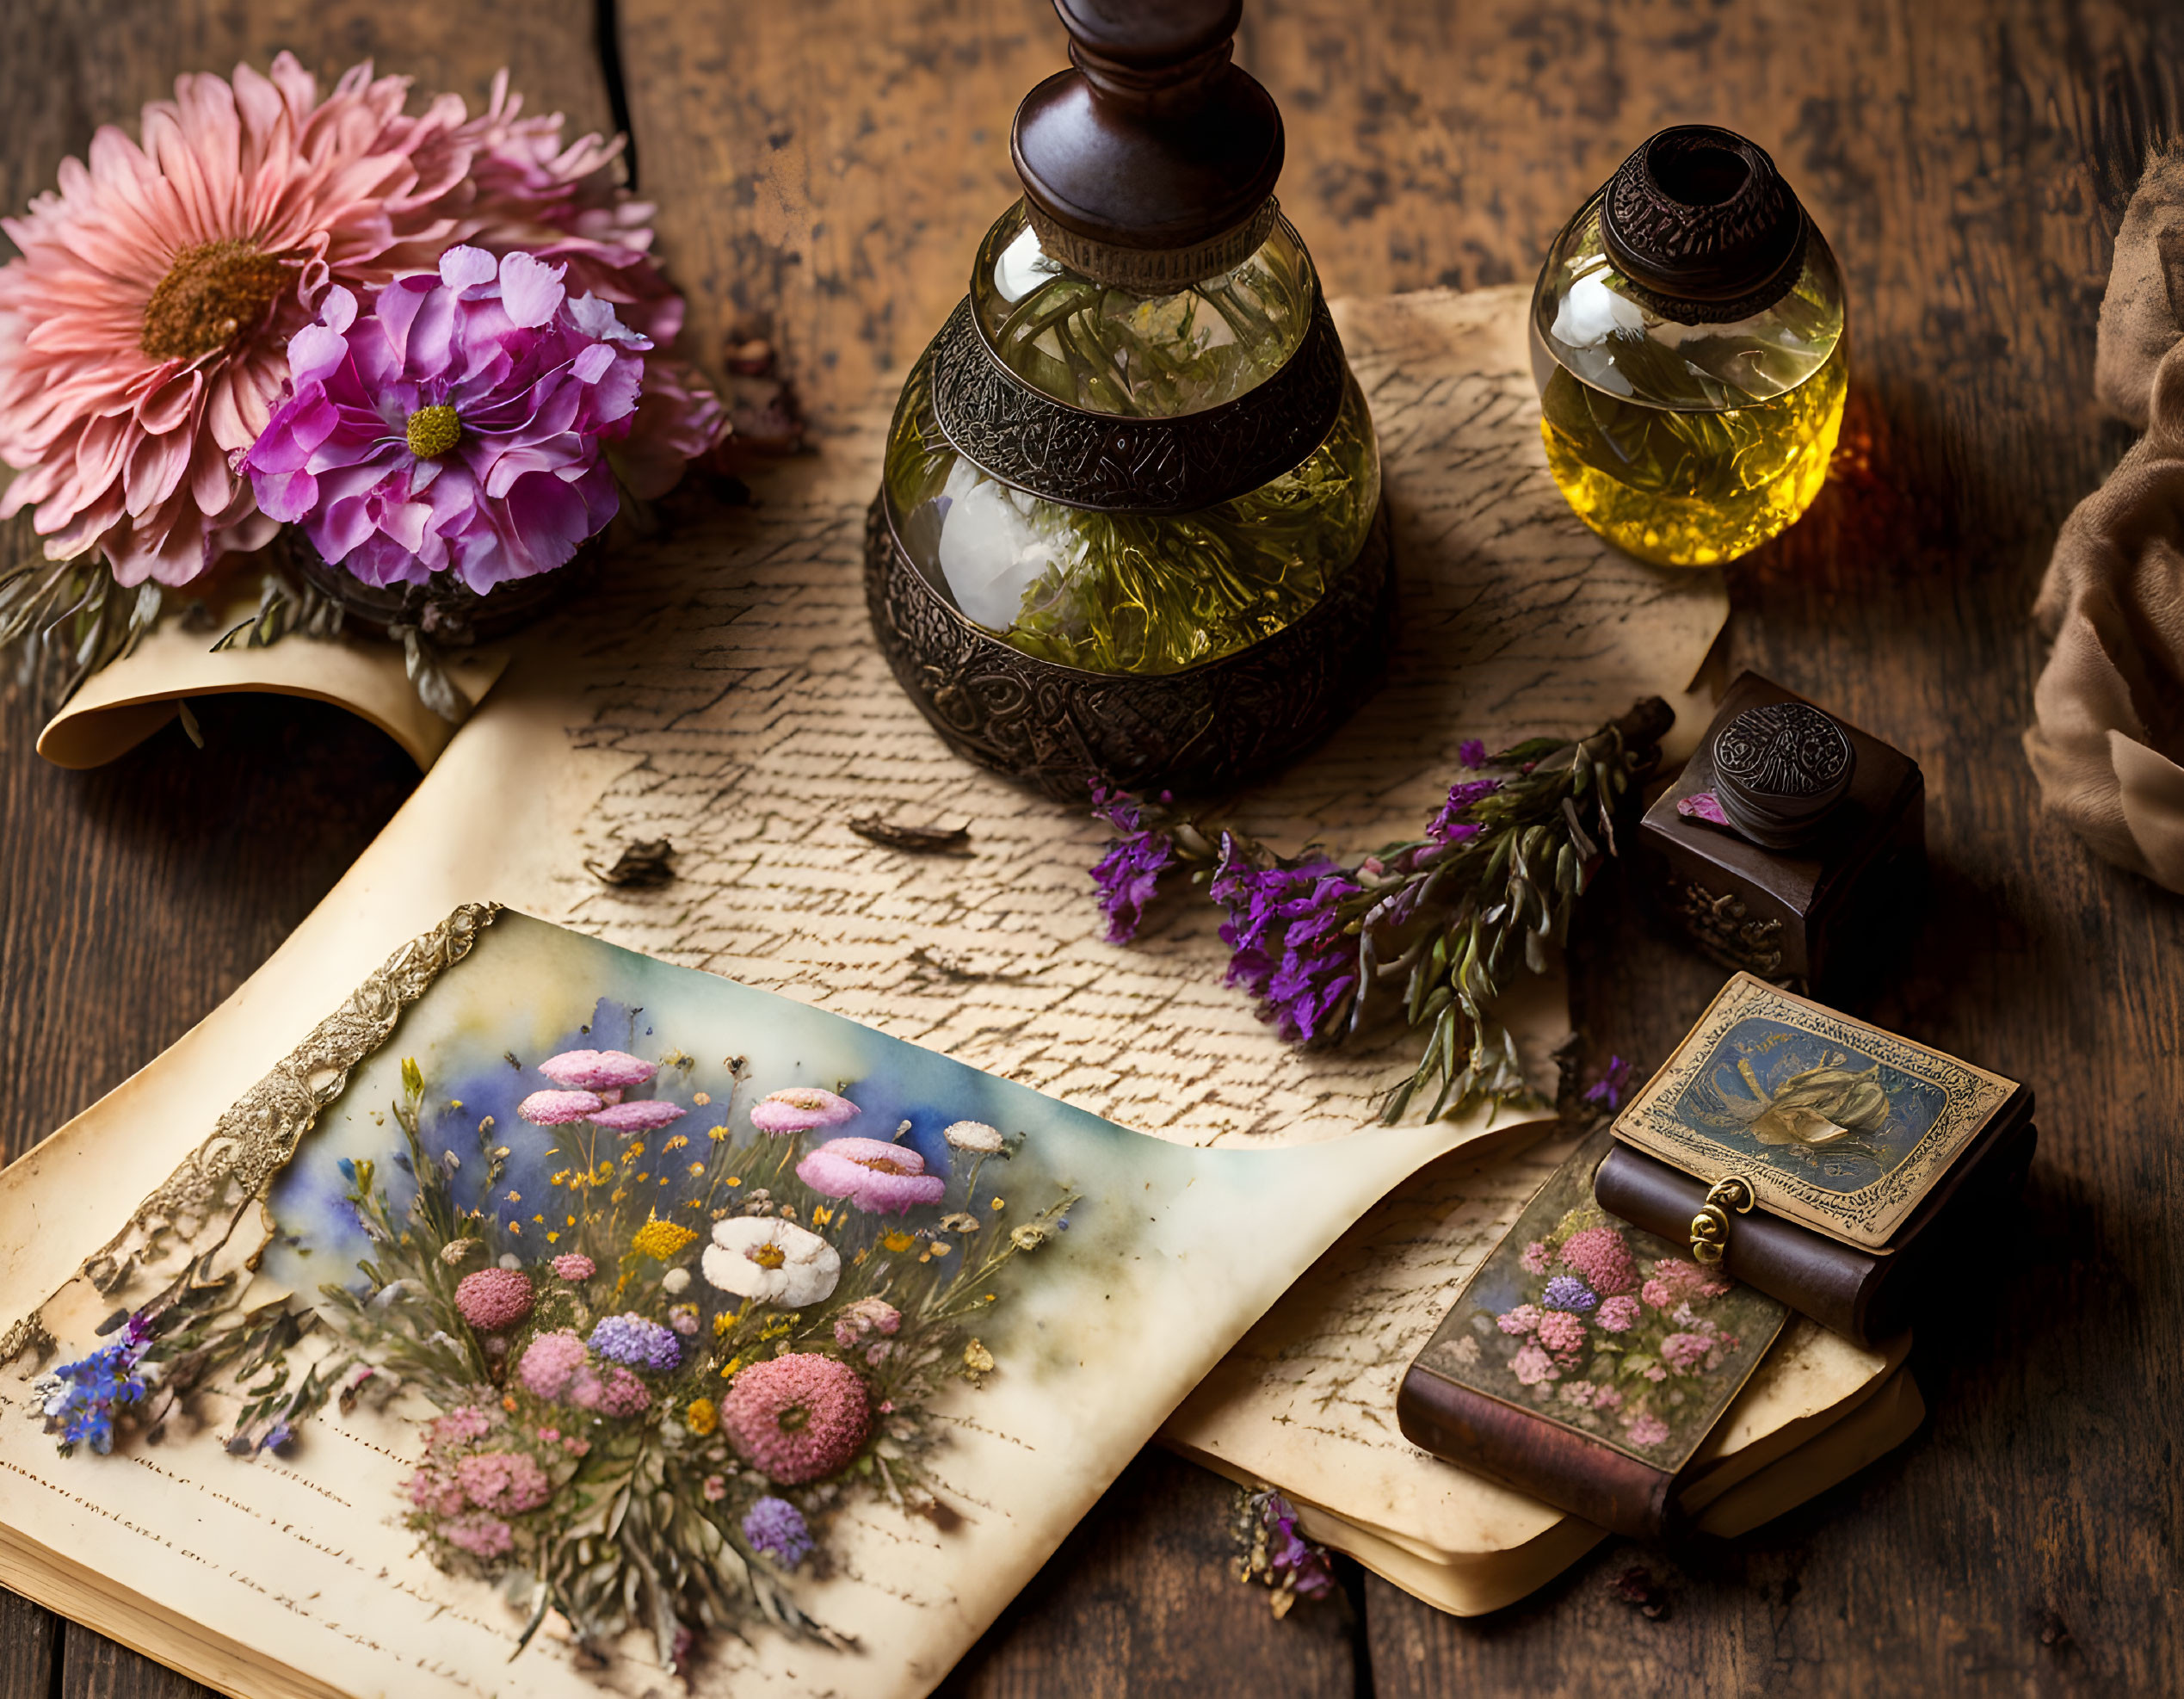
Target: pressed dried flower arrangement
x=434, y=347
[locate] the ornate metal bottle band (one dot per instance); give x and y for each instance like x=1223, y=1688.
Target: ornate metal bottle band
x=1179, y=464
x=1709, y=1226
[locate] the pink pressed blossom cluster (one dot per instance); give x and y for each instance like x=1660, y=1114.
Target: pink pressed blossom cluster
x=1536, y=1259
x=1685, y=1352
x=878, y=1177
x=797, y=1417
x=617, y=1392
x=1602, y=1259
x=575, y=1267
x=506, y=1481
x=144, y=327
x=801, y=1109
x=589, y=1084
x=550, y=1363
x=1618, y=1314
x=494, y=1300
x=1562, y=1333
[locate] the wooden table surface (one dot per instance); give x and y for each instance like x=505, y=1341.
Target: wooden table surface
x=826, y=168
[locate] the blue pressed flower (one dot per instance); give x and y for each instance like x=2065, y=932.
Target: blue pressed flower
x=640, y=1344
x=776, y=1528
x=82, y=1398
x=1567, y=1292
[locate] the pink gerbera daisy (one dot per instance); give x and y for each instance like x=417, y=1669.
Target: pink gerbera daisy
x=142, y=331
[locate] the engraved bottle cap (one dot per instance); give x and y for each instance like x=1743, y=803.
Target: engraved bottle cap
x=1701, y=223
x=1152, y=164
x=1779, y=770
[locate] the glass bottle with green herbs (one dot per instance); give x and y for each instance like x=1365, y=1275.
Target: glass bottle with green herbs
x=1688, y=339
x=1137, y=447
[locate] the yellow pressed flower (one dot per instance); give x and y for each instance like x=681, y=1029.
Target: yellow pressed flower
x=701, y=1099
x=721, y=1324
x=820, y=1215
x=516, y=1227
x=540, y=1219
x=735, y=1179
x=616, y=1196
x=642, y=1175
x=674, y=1144
x=896, y=1241
x=999, y=1204
x=553, y=1238
x=729, y=1367
x=516, y=1197
x=571, y=1222
x=718, y=1134
x=701, y=1417
x=977, y=1359
x=696, y=1168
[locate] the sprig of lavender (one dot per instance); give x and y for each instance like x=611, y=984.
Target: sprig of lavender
x=1437, y=924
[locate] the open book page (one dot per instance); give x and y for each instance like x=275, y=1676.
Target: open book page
x=432, y=1369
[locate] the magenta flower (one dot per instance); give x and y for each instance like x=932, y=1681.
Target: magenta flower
x=800, y=1109
x=1449, y=825
x=556, y=1109
x=1562, y=1333
x=457, y=427
x=606, y=1072
x=880, y=1178
x=797, y=1417
x=483, y=1537
x=1618, y=1314
x=639, y=1117
x=493, y=1300
x=1472, y=753
x=1602, y=1257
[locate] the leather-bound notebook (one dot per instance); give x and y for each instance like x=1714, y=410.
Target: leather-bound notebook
x=1820, y=1160
x=1585, y=1362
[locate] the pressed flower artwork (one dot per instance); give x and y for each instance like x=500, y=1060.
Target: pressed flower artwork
x=672, y=1326
x=1596, y=1326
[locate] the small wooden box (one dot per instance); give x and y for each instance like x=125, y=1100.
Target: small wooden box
x=1826, y=914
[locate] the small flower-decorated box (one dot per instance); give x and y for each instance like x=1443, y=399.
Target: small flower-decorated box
x=1585, y=1362
x=1792, y=845
x=1821, y=1160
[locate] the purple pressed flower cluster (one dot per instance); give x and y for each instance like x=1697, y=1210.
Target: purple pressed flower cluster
x=1291, y=1560
x=1288, y=947
x=640, y=1344
x=458, y=424
x=1128, y=875
x=777, y=1529
x=1608, y=1091
x=1449, y=825
x=81, y=1399
x=1567, y=1292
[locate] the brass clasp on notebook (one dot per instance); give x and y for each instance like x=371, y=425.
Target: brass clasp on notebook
x=1709, y=1226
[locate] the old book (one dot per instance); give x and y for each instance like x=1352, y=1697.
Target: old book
x=1817, y=1158
x=1306, y=1402
x=557, y=1312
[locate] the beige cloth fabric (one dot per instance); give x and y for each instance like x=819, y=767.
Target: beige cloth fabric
x=2109, y=731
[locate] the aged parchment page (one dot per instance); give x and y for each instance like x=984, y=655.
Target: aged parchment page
x=722, y=692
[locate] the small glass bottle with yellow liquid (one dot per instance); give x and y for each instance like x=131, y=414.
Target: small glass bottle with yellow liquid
x=1688, y=339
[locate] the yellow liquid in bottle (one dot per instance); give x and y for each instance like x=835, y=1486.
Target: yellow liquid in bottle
x=1692, y=488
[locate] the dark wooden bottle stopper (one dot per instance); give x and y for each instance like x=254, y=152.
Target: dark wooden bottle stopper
x=1152, y=163
x=1702, y=224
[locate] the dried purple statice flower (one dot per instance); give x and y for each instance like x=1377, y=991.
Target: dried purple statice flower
x=1128, y=875
x=1285, y=931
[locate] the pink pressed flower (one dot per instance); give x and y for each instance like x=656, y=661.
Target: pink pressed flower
x=1602, y=1259
x=465, y=1423
x=1656, y=1374
x=556, y=1109
x=1647, y=1430
x=506, y=1481
x=457, y=426
x=1521, y=1320
x=640, y=1117
x=714, y=1488
x=433, y=1490
x=1659, y=1294
x=865, y=1317
x=1684, y=1352
x=1684, y=1279
x=575, y=1267
x=1702, y=805
x=1618, y=1314
x=1607, y=1398
x=801, y=1109
x=1562, y=1333
x=618, y=1393
x=142, y=329
x=880, y=1178
x=550, y=1363
x=1533, y=1366
x=797, y=1417
x=483, y=1537
x=599, y=1071
x=1536, y=1259
x=494, y=1300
